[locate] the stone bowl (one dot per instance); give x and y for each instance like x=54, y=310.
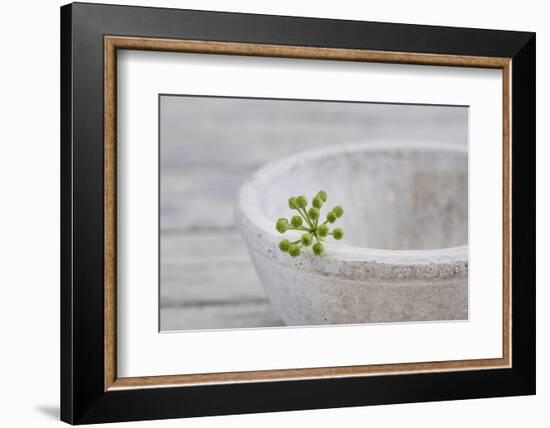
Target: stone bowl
x=404, y=256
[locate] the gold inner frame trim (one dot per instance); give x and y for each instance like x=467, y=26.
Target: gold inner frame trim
x=113, y=43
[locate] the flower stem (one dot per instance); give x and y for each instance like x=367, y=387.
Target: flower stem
x=299, y=228
x=305, y=216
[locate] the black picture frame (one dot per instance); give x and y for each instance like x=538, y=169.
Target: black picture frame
x=83, y=396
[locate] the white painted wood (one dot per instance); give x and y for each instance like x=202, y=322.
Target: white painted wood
x=207, y=267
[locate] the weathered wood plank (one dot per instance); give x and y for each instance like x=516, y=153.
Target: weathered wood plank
x=229, y=133
x=200, y=198
x=245, y=315
x=197, y=268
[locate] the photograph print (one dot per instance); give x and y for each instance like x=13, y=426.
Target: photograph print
x=283, y=212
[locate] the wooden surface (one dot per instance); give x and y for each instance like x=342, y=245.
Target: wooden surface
x=209, y=146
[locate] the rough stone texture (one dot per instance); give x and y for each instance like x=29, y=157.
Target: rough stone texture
x=405, y=253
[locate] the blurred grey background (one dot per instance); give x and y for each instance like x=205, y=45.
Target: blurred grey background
x=208, y=147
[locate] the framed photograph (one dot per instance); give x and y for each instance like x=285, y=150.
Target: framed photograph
x=266, y=213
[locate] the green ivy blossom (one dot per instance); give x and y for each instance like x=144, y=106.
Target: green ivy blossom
x=308, y=222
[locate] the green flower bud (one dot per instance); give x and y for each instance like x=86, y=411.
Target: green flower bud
x=292, y=203
x=338, y=233
x=317, y=202
x=296, y=221
x=301, y=201
x=313, y=213
x=338, y=210
x=282, y=225
x=323, y=230
x=294, y=250
x=318, y=248
x=284, y=245
x=307, y=239
x=314, y=234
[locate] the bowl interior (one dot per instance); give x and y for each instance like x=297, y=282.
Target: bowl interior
x=395, y=198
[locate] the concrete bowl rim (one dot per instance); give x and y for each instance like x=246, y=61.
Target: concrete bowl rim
x=249, y=215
